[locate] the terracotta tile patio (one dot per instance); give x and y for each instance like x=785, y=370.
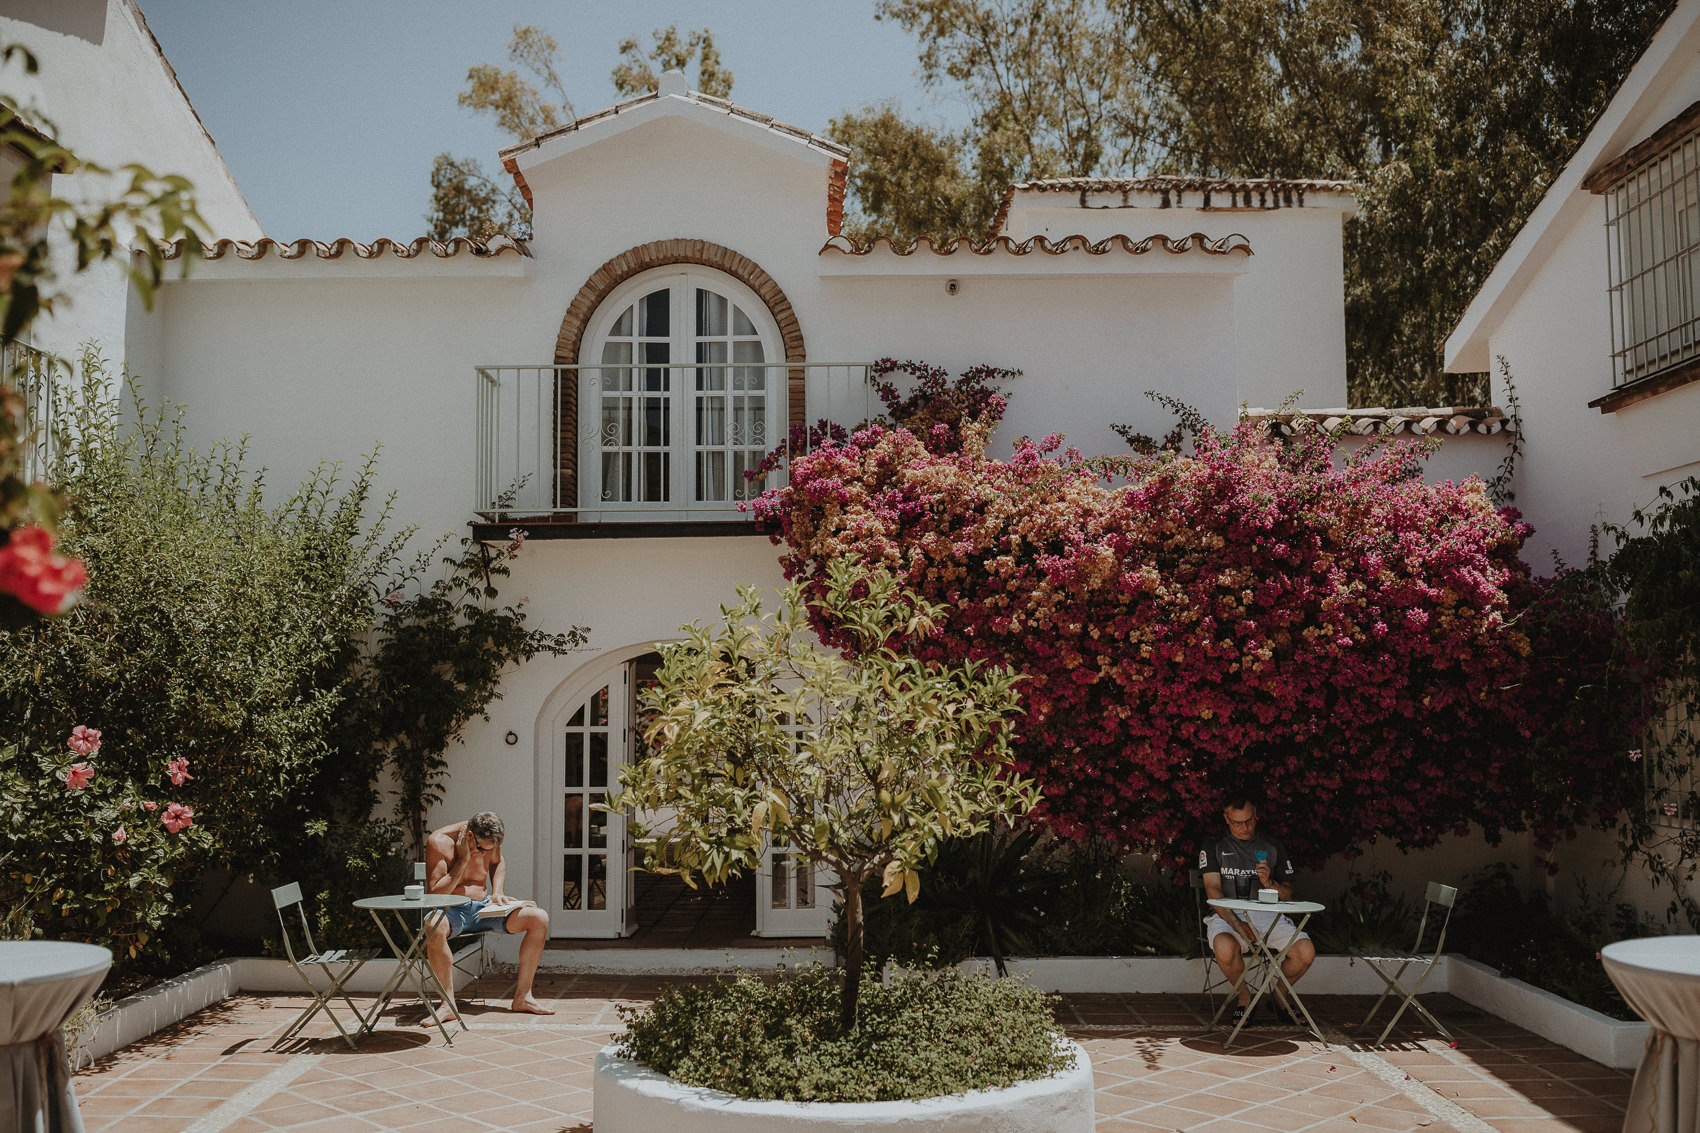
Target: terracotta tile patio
x=1157, y=1071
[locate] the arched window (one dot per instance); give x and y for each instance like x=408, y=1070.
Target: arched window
x=682, y=390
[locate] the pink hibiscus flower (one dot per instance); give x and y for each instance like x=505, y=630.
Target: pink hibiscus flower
x=84, y=741
x=178, y=769
x=78, y=776
x=178, y=817
x=120, y=835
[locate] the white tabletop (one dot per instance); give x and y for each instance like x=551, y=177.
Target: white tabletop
x=397, y=901
x=1665, y=955
x=46, y=961
x=1243, y=906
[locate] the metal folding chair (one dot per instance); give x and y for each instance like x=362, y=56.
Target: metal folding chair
x=1214, y=980
x=470, y=957
x=1391, y=966
x=338, y=965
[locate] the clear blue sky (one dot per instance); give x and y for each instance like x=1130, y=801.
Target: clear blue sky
x=329, y=112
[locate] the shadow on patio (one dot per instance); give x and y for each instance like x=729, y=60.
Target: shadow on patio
x=1157, y=1070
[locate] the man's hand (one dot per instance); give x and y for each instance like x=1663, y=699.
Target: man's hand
x=1263, y=875
x=463, y=845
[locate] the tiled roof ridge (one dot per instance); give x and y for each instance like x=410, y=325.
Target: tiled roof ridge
x=725, y=106
x=1220, y=246
x=1418, y=420
x=1242, y=192
x=334, y=249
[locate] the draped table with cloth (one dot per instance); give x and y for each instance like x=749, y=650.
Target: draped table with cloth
x=1660, y=977
x=42, y=983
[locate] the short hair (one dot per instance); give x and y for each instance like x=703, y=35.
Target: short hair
x=486, y=824
x=1239, y=799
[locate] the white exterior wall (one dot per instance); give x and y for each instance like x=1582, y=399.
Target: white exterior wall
x=112, y=99
x=1289, y=310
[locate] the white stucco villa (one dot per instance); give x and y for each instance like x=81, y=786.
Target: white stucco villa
x=687, y=298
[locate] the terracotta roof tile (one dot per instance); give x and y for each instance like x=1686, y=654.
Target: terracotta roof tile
x=1173, y=189
x=1198, y=241
x=301, y=249
x=1417, y=420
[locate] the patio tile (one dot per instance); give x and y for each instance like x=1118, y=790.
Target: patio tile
x=1156, y=1070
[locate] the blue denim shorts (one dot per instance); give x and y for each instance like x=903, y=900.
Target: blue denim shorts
x=463, y=919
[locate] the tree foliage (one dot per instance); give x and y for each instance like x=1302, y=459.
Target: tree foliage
x=434, y=661
x=530, y=98
x=1452, y=117
x=1363, y=648
x=859, y=763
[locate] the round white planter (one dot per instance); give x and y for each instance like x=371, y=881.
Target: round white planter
x=631, y=1098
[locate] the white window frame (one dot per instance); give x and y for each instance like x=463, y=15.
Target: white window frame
x=681, y=448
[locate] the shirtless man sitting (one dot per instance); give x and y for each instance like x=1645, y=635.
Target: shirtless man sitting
x=466, y=857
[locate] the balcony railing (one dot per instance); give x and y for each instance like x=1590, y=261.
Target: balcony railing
x=29, y=373
x=637, y=442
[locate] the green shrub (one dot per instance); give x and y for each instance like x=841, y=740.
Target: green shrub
x=923, y=1035
x=1522, y=937
x=1367, y=915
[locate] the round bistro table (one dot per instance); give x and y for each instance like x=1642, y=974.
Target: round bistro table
x=42, y=983
x=408, y=943
x=1300, y=913
x=1660, y=977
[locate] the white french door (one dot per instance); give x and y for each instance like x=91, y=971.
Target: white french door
x=682, y=396
x=589, y=884
x=791, y=896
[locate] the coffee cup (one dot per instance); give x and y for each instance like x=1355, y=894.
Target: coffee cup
x=414, y=893
x=1269, y=896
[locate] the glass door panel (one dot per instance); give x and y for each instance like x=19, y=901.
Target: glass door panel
x=589, y=900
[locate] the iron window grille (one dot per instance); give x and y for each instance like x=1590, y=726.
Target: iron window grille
x=1653, y=252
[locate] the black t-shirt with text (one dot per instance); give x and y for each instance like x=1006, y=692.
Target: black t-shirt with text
x=1237, y=861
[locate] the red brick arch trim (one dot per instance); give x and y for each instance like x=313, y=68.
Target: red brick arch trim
x=634, y=261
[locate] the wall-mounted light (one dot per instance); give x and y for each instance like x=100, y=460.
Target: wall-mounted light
x=951, y=287
x=512, y=738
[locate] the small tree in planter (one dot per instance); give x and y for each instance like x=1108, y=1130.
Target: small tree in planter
x=858, y=763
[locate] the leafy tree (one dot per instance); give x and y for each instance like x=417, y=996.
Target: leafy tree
x=637, y=73
x=32, y=225
x=909, y=179
x=531, y=99
x=214, y=627
x=858, y=763
x=1452, y=117
x=435, y=661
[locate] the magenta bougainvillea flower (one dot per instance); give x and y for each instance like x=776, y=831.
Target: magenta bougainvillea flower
x=1363, y=649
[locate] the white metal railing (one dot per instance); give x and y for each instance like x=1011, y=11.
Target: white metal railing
x=631, y=441
x=29, y=373
x=1653, y=262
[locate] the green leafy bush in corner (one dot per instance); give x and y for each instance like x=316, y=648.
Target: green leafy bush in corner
x=1522, y=937
x=1367, y=915
x=922, y=1035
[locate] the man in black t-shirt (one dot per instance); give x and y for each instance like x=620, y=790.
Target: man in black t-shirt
x=1238, y=864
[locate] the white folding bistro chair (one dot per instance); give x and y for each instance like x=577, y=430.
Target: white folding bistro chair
x=470, y=956
x=1392, y=966
x=337, y=964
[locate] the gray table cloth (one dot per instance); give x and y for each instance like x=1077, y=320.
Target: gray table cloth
x=1660, y=977
x=42, y=983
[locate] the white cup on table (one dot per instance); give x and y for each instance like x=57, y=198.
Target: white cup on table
x=414, y=893
x=1269, y=896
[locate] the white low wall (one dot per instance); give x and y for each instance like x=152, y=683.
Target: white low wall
x=1608, y=1041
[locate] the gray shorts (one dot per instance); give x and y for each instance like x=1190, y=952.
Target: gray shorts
x=463, y=919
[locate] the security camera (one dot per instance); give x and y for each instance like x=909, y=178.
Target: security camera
x=951, y=287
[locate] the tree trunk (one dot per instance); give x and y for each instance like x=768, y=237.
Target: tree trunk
x=852, y=952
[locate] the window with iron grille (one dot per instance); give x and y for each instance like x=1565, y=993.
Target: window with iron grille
x=1653, y=245
x=1673, y=784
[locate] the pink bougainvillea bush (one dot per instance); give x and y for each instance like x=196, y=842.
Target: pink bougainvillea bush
x=1361, y=648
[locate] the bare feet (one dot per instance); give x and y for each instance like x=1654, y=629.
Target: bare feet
x=528, y=1004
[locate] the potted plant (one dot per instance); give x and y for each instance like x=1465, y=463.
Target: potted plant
x=859, y=764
